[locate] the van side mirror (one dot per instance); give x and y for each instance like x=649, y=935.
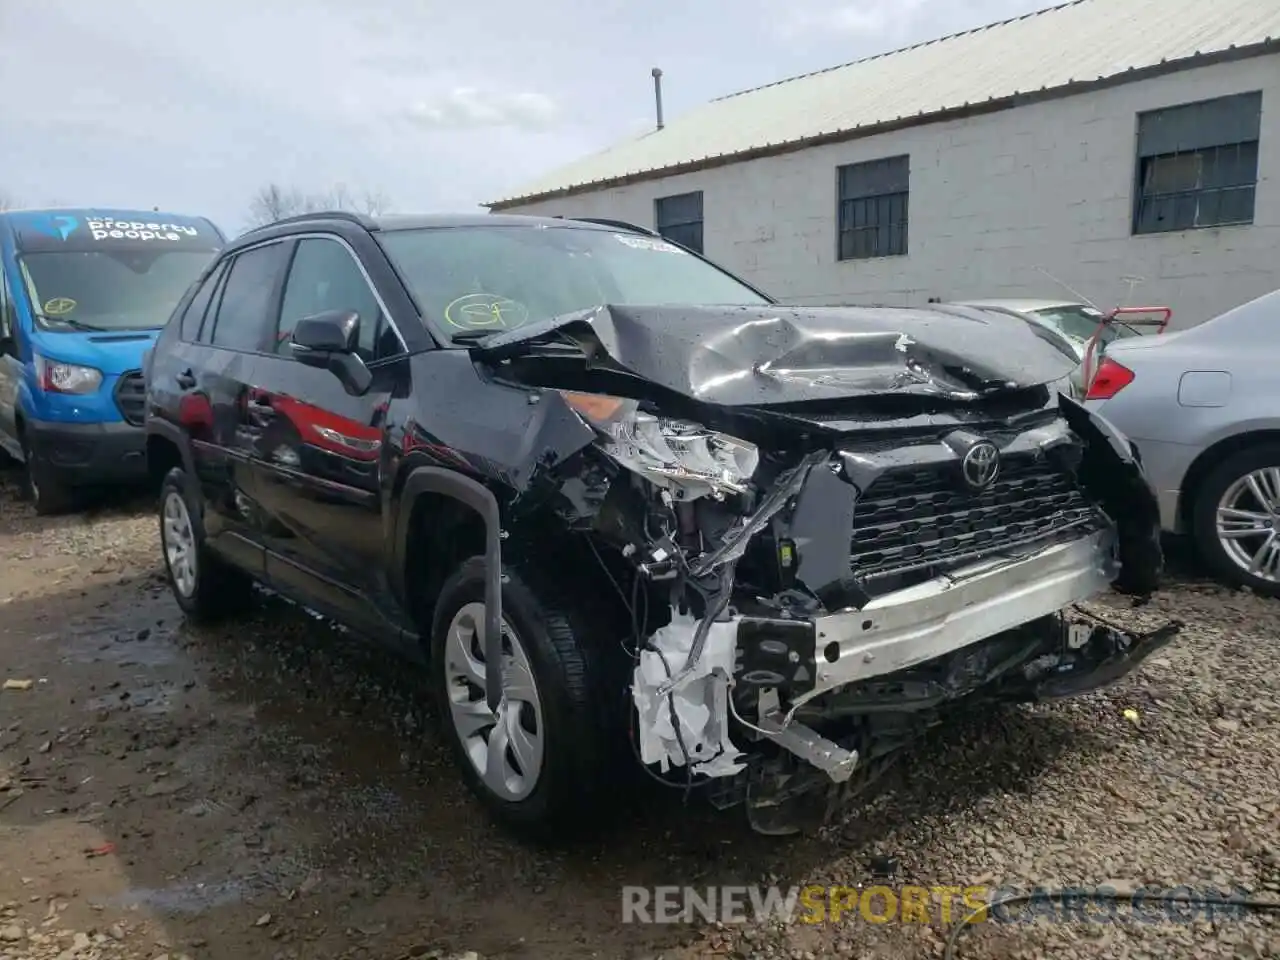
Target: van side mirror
x=329, y=341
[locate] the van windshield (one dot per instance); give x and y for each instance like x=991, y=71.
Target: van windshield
x=502, y=277
x=125, y=289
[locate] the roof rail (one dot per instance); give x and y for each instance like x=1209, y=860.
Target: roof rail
x=619, y=224
x=347, y=215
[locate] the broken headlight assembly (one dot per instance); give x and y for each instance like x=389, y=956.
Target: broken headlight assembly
x=680, y=456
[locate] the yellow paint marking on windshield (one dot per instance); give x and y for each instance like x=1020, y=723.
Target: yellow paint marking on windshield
x=479, y=311
x=59, y=306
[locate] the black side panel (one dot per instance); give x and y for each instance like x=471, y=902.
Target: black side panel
x=1112, y=473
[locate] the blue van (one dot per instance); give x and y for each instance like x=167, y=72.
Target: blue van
x=82, y=295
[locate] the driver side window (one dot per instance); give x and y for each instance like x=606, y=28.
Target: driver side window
x=324, y=276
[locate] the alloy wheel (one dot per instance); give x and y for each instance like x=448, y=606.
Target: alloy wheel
x=179, y=543
x=1248, y=523
x=505, y=746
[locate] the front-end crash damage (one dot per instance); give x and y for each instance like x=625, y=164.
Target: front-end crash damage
x=829, y=526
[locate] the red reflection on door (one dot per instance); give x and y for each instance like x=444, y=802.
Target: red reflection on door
x=329, y=431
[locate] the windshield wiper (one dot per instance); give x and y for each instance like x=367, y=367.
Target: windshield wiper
x=68, y=322
x=473, y=336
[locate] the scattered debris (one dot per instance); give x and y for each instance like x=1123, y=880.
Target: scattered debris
x=19, y=684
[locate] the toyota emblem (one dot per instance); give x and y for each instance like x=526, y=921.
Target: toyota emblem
x=981, y=465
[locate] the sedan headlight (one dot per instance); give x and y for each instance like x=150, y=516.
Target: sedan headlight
x=58, y=377
x=685, y=457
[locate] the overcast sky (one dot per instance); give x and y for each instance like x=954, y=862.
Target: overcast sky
x=193, y=105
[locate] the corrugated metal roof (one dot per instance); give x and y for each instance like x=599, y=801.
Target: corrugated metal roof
x=1087, y=41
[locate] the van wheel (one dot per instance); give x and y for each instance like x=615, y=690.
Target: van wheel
x=1236, y=519
x=206, y=587
x=538, y=763
x=42, y=487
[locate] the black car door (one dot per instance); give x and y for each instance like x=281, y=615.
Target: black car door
x=213, y=373
x=318, y=466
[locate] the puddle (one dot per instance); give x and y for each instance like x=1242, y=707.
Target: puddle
x=143, y=646
x=150, y=701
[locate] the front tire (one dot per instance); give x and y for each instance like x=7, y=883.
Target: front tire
x=1236, y=519
x=540, y=761
x=205, y=586
x=42, y=486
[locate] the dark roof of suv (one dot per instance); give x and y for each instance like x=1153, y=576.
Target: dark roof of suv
x=393, y=222
x=422, y=221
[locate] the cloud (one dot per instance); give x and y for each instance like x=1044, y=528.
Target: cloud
x=868, y=18
x=196, y=105
x=882, y=22
x=470, y=108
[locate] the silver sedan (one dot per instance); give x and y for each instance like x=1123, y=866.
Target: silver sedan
x=1203, y=407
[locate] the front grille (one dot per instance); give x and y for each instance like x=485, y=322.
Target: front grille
x=922, y=520
x=131, y=397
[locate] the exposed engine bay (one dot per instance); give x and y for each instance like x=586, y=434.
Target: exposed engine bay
x=828, y=527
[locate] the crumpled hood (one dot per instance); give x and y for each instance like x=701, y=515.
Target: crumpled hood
x=771, y=354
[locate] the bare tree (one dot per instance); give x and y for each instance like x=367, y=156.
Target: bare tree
x=6, y=201
x=273, y=202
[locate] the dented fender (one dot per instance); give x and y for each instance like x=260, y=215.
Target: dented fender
x=1111, y=471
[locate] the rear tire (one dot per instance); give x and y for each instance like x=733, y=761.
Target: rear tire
x=206, y=587
x=41, y=485
x=1231, y=524
x=556, y=722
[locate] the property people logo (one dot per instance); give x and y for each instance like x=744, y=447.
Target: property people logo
x=56, y=225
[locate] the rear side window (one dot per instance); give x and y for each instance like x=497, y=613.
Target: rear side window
x=199, y=304
x=244, y=315
x=324, y=277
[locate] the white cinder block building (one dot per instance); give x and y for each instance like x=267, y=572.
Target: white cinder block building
x=1099, y=140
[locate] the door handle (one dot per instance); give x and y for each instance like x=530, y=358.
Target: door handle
x=186, y=379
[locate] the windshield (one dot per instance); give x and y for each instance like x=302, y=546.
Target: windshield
x=125, y=289
x=1081, y=323
x=500, y=278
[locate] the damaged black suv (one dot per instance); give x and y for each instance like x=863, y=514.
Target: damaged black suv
x=628, y=507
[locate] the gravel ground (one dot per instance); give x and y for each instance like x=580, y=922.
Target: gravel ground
x=275, y=790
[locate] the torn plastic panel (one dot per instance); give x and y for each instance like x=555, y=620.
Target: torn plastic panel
x=1111, y=470
x=873, y=722
x=687, y=723
x=772, y=354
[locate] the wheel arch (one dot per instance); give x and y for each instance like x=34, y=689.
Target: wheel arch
x=1209, y=458
x=442, y=518
x=167, y=447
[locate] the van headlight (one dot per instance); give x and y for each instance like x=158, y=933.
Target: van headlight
x=685, y=457
x=55, y=376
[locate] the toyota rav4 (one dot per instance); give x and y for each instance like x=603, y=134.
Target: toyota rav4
x=627, y=507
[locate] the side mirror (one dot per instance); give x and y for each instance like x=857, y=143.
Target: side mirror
x=329, y=341
x=334, y=331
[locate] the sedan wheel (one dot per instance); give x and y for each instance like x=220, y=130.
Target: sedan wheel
x=505, y=746
x=1235, y=518
x=1248, y=523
